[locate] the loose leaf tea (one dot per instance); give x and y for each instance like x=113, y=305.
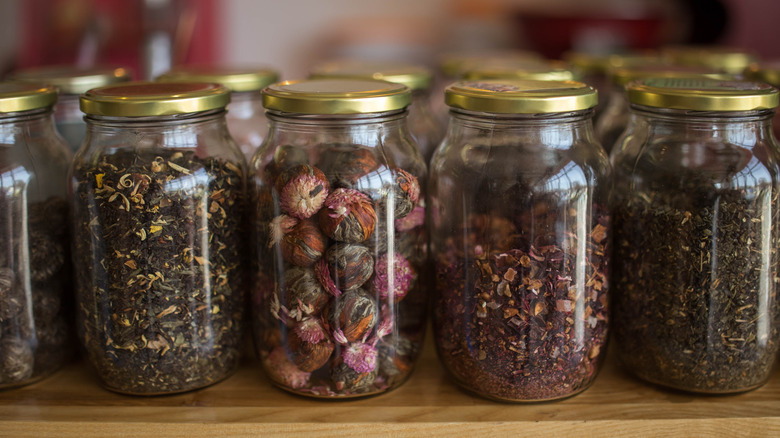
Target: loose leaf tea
x=159, y=278
x=521, y=310
x=695, y=276
x=34, y=288
x=320, y=328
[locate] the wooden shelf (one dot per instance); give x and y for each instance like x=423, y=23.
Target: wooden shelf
x=70, y=403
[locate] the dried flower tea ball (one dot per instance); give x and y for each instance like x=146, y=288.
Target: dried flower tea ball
x=302, y=190
x=395, y=359
x=397, y=272
x=16, y=360
x=310, y=346
x=411, y=221
x=282, y=370
x=345, y=165
x=322, y=272
x=303, y=293
x=348, y=216
x=360, y=356
x=279, y=226
x=350, y=265
x=285, y=157
x=407, y=193
x=355, y=313
x=348, y=380
x=303, y=244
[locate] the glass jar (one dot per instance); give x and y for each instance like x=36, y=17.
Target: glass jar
x=616, y=113
x=768, y=72
x=424, y=127
x=157, y=210
x=695, y=249
x=519, y=237
x=72, y=82
x=246, y=115
x=340, y=289
x=34, y=255
x=721, y=58
x=538, y=71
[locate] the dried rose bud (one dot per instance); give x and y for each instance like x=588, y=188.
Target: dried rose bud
x=283, y=371
x=350, y=265
x=304, y=244
x=279, y=226
x=407, y=192
x=348, y=380
x=309, y=345
x=348, y=216
x=396, y=271
x=354, y=313
x=303, y=292
x=16, y=360
x=346, y=165
x=302, y=190
x=323, y=275
x=360, y=356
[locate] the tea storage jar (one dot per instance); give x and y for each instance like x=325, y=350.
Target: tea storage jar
x=34, y=254
x=246, y=115
x=340, y=301
x=157, y=197
x=768, y=72
x=695, y=218
x=722, y=58
x=72, y=82
x=520, y=232
x=424, y=127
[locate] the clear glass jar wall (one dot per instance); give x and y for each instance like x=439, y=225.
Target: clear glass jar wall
x=339, y=305
x=519, y=237
x=35, y=294
x=695, y=226
x=159, y=249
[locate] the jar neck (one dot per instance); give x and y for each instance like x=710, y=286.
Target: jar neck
x=159, y=122
x=38, y=121
x=735, y=126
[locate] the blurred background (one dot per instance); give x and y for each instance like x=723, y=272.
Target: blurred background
x=151, y=36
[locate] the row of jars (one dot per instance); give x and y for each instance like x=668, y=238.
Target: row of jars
x=524, y=240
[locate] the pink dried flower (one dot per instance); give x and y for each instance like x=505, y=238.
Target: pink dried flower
x=385, y=326
x=310, y=330
x=360, y=357
x=323, y=275
x=281, y=225
x=400, y=280
x=411, y=221
x=340, y=201
x=302, y=190
x=340, y=337
x=281, y=368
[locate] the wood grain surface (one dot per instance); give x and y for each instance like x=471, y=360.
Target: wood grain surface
x=72, y=403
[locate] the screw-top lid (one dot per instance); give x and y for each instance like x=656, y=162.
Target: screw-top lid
x=600, y=63
x=725, y=59
x=538, y=71
x=702, y=94
x=336, y=96
x=508, y=96
x=768, y=72
x=25, y=96
x=455, y=64
x=415, y=77
x=238, y=80
x=142, y=99
x=73, y=80
x=623, y=75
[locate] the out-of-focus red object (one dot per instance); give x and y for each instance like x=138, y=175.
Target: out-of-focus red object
x=112, y=32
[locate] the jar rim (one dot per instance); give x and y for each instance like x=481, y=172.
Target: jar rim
x=702, y=94
x=336, y=96
x=516, y=96
x=25, y=96
x=143, y=99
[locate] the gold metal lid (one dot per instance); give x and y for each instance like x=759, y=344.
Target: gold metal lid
x=141, y=99
x=336, y=96
x=238, y=80
x=599, y=63
x=725, y=59
x=415, y=77
x=25, y=96
x=507, y=96
x=702, y=94
x=623, y=75
x=455, y=64
x=73, y=80
x=768, y=72
x=547, y=71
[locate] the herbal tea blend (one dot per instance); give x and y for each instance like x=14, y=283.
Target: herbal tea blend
x=339, y=304
x=35, y=277
x=520, y=241
x=695, y=226
x=159, y=246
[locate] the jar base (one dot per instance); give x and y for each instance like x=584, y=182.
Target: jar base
x=162, y=394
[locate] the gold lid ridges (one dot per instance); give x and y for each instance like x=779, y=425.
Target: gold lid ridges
x=702, y=94
x=74, y=80
x=236, y=79
x=143, y=99
x=505, y=96
x=25, y=96
x=416, y=77
x=336, y=96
